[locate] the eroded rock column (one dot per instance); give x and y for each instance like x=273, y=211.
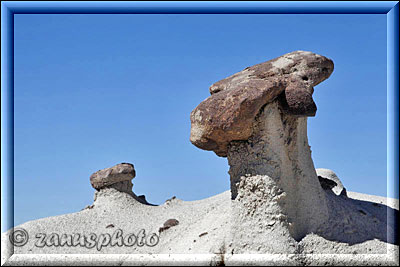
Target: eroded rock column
x=273, y=177
x=257, y=118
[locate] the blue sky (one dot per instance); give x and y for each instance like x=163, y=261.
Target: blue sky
x=92, y=91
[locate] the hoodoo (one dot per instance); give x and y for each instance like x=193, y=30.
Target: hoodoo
x=257, y=118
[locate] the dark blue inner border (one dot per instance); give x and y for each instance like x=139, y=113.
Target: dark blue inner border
x=201, y=7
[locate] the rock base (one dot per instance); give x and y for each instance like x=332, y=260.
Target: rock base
x=277, y=161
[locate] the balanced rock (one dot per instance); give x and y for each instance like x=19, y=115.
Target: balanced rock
x=257, y=118
x=330, y=181
x=229, y=113
x=118, y=177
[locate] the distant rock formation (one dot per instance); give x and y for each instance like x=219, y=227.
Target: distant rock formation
x=118, y=177
x=330, y=181
x=257, y=118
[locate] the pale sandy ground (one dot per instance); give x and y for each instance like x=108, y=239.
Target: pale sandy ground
x=361, y=231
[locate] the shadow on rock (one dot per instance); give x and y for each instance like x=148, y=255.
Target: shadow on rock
x=356, y=221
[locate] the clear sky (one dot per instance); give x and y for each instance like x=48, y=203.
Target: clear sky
x=92, y=91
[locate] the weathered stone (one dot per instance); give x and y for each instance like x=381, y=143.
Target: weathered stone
x=326, y=184
x=118, y=177
x=229, y=113
x=168, y=224
x=304, y=66
x=297, y=100
x=330, y=181
x=273, y=176
x=257, y=118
